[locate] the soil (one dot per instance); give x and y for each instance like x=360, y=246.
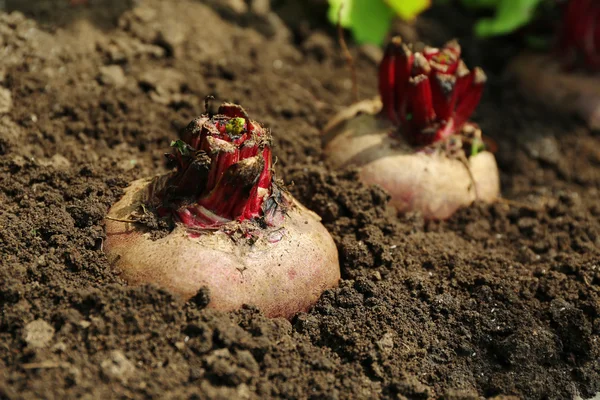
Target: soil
x=499, y=300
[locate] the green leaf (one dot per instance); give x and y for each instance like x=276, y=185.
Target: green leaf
x=334, y=10
x=481, y=3
x=182, y=147
x=510, y=15
x=374, y=19
x=409, y=9
x=369, y=20
x=477, y=147
x=235, y=126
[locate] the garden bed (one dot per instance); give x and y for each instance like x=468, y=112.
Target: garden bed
x=501, y=299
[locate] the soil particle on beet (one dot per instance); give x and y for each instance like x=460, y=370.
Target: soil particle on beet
x=499, y=300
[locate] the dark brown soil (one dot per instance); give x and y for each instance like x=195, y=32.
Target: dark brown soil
x=502, y=299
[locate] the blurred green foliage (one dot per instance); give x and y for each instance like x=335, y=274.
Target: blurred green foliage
x=370, y=20
x=509, y=15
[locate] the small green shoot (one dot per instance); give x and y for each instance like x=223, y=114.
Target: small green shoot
x=408, y=9
x=477, y=146
x=183, y=148
x=235, y=126
x=370, y=20
x=510, y=15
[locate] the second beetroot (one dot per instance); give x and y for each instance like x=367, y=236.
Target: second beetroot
x=415, y=140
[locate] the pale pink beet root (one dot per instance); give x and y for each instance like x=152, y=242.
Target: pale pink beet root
x=415, y=141
x=429, y=182
x=568, y=81
x=237, y=232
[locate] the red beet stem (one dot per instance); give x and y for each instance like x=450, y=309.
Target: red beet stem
x=254, y=205
x=444, y=95
x=386, y=80
x=223, y=155
x=429, y=95
x=233, y=191
x=223, y=170
x=403, y=67
x=470, y=97
x=579, y=37
x=421, y=105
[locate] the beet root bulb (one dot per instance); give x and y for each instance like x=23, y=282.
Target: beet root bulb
x=415, y=140
x=236, y=231
x=428, y=182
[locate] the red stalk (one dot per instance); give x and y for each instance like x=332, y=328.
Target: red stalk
x=421, y=106
x=191, y=134
x=579, y=38
x=444, y=95
x=223, y=171
x=386, y=80
x=230, y=196
x=223, y=154
x=431, y=94
x=261, y=190
x=463, y=79
x=470, y=98
x=404, y=66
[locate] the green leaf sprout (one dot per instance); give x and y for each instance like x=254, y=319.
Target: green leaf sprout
x=183, y=148
x=370, y=20
x=510, y=15
x=235, y=126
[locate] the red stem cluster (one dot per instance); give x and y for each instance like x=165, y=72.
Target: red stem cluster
x=223, y=170
x=580, y=34
x=431, y=94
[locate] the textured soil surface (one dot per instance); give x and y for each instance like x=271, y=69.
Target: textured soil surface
x=500, y=300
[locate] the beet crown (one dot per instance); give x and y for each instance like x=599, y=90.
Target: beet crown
x=223, y=172
x=429, y=94
x=579, y=39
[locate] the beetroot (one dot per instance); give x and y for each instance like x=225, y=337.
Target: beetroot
x=236, y=230
x=579, y=36
x=568, y=80
x=415, y=140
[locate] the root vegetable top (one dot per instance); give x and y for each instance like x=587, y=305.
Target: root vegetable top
x=236, y=231
x=223, y=172
x=416, y=141
x=430, y=94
